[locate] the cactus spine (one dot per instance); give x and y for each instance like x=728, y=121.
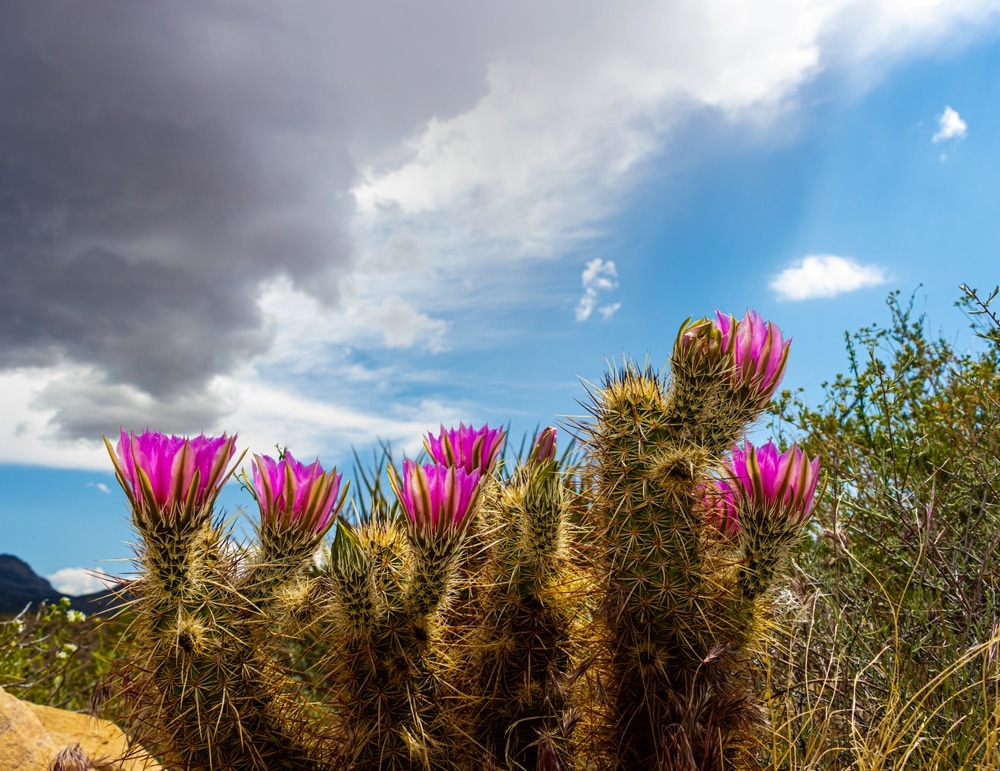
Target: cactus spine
x=528, y=608
x=387, y=591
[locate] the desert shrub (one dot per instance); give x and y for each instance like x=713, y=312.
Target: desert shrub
x=55, y=655
x=893, y=661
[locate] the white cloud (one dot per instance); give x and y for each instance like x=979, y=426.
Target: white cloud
x=607, y=311
x=825, y=275
x=317, y=427
x=572, y=111
x=261, y=412
x=568, y=116
x=100, y=487
x=26, y=435
x=598, y=277
x=950, y=126
x=76, y=581
x=404, y=326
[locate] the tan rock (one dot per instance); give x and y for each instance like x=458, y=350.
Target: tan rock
x=102, y=741
x=31, y=735
x=25, y=745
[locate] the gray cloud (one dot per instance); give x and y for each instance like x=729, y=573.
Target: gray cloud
x=159, y=162
x=101, y=408
x=156, y=165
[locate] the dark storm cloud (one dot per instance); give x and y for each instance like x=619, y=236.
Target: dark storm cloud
x=159, y=162
x=155, y=168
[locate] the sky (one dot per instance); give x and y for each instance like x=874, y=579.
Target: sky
x=324, y=225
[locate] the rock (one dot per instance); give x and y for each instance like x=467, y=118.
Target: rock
x=102, y=741
x=25, y=745
x=31, y=736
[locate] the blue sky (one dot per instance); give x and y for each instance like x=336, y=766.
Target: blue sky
x=319, y=227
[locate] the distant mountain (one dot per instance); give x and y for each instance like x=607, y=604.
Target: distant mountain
x=21, y=586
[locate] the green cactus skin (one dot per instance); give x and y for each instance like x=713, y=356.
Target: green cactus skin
x=199, y=683
x=527, y=610
x=388, y=594
x=765, y=539
x=677, y=683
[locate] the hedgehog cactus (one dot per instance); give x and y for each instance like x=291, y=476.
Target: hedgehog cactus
x=527, y=608
x=606, y=614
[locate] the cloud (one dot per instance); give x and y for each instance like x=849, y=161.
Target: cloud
x=607, y=311
x=100, y=487
x=570, y=114
x=155, y=192
x=148, y=190
x=404, y=326
x=950, y=126
x=576, y=106
x=260, y=411
x=76, y=581
x=598, y=277
x=825, y=275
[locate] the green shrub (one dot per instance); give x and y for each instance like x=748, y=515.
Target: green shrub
x=893, y=663
x=55, y=655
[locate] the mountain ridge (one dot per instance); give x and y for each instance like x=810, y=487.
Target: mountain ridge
x=20, y=587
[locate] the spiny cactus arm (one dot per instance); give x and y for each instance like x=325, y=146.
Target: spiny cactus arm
x=660, y=624
x=724, y=372
x=530, y=602
x=431, y=574
x=384, y=669
x=350, y=577
x=541, y=515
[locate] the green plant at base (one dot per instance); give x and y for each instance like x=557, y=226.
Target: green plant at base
x=54, y=655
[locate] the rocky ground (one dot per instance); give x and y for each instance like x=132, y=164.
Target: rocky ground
x=33, y=736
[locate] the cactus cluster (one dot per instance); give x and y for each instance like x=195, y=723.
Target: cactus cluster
x=606, y=613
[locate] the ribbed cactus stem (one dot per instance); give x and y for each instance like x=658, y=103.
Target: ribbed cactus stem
x=350, y=577
x=175, y=565
x=527, y=610
x=431, y=575
x=541, y=528
x=388, y=591
x=275, y=566
x=674, y=688
x=766, y=551
x=766, y=540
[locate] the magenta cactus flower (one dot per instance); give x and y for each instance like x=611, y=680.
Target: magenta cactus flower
x=439, y=500
x=758, y=349
x=472, y=449
x=295, y=497
x=171, y=480
x=776, y=481
x=719, y=504
x=544, y=450
x=699, y=343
